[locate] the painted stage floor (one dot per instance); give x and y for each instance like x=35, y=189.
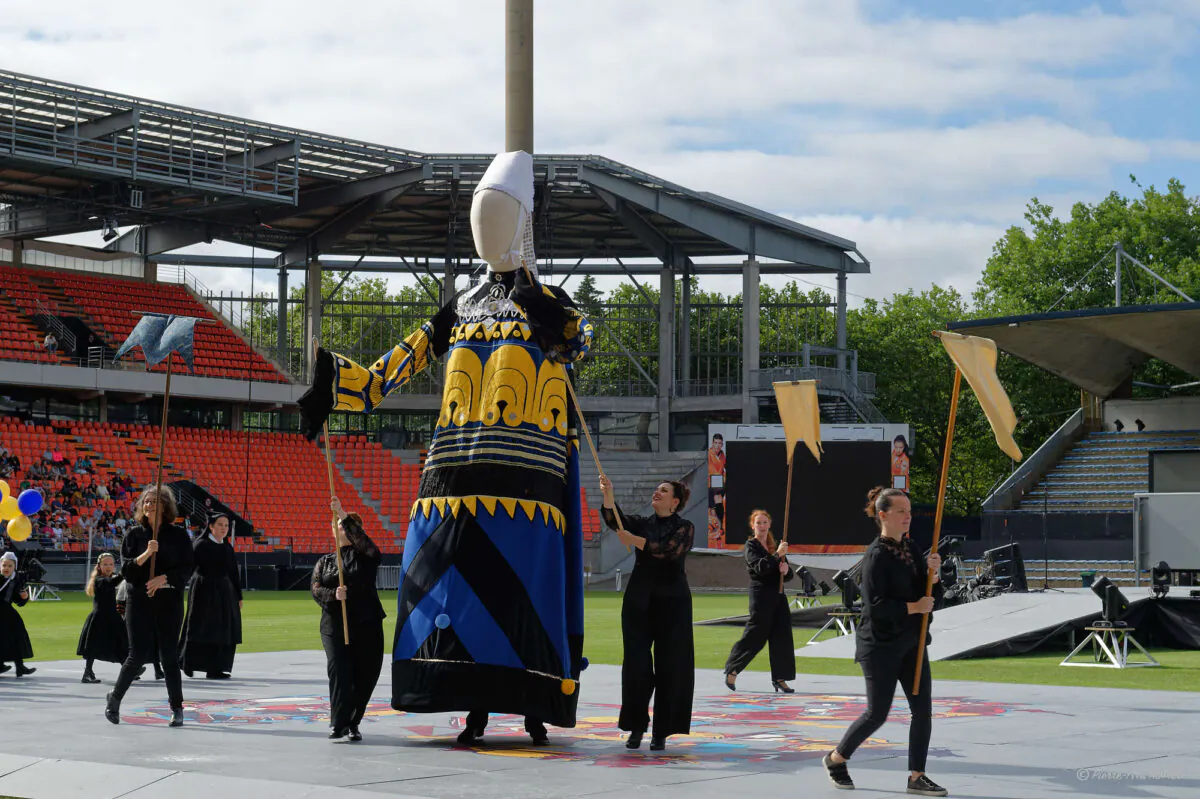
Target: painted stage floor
x=263, y=735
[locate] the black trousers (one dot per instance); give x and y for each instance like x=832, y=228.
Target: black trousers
x=153, y=624
x=881, y=672
x=770, y=624
x=662, y=623
x=477, y=720
x=353, y=671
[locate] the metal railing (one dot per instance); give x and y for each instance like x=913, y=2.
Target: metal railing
x=1008, y=494
x=832, y=380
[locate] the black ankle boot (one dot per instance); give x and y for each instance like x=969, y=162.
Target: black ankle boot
x=89, y=678
x=22, y=669
x=635, y=740
x=355, y=735
x=658, y=743
x=112, y=708
x=158, y=672
x=176, y=718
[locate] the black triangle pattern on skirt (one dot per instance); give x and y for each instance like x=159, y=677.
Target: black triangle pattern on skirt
x=461, y=542
x=444, y=645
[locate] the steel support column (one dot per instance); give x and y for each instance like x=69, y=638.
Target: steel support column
x=841, y=321
x=685, y=329
x=750, y=338
x=666, y=355
x=281, y=326
x=313, y=302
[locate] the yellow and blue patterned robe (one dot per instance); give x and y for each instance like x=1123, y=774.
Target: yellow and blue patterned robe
x=491, y=599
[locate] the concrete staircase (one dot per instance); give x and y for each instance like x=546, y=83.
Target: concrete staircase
x=374, y=504
x=1103, y=471
x=1066, y=573
x=634, y=475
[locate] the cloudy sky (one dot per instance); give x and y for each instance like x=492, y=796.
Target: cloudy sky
x=916, y=131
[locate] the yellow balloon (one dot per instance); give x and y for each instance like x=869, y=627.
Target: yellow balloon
x=20, y=528
x=4, y=490
x=9, y=509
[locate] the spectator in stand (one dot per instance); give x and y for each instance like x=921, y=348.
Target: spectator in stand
x=80, y=466
x=48, y=456
x=50, y=343
x=102, y=492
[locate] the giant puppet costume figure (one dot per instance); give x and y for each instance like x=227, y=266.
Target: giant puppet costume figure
x=490, y=614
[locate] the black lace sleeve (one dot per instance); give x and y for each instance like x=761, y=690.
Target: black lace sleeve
x=321, y=595
x=674, y=544
x=633, y=524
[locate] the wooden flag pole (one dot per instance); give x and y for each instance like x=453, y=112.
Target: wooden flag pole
x=787, y=507
x=162, y=456
x=937, y=523
x=582, y=422
x=337, y=548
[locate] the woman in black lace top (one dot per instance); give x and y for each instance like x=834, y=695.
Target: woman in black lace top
x=656, y=612
x=354, y=669
x=894, y=581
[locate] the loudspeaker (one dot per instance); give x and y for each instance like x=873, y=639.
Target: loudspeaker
x=1006, y=567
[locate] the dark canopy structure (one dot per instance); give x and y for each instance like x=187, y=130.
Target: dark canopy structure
x=75, y=159
x=1098, y=349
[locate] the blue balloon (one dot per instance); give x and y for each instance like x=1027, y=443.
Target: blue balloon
x=30, y=501
x=583, y=665
x=442, y=621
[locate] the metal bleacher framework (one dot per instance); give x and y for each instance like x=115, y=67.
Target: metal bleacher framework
x=76, y=159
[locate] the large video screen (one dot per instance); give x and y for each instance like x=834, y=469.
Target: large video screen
x=827, y=498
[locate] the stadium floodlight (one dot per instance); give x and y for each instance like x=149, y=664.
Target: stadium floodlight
x=1160, y=579
x=1114, y=604
x=849, y=588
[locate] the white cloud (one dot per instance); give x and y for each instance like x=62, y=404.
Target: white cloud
x=920, y=139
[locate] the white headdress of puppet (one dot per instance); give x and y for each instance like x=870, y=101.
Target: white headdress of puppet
x=502, y=214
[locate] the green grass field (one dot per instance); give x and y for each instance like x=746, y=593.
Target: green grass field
x=280, y=621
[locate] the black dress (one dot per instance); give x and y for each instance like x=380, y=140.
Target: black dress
x=893, y=574
x=103, y=636
x=770, y=620
x=656, y=612
x=153, y=622
x=353, y=669
x=14, y=639
x=212, y=628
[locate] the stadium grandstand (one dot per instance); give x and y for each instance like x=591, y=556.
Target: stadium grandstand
x=1075, y=496
x=84, y=428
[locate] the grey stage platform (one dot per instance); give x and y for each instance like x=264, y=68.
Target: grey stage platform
x=262, y=735
x=962, y=628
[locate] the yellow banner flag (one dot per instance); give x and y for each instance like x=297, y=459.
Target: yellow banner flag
x=800, y=414
x=975, y=357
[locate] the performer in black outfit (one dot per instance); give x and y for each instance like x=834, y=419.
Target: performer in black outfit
x=894, y=578
x=212, y=628
x=770, y=620
x=154, y=611
x=103, y=636
x=354, y=669
x=656, y=612
x=15, y=646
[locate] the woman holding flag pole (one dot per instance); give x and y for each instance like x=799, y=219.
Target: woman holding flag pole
x=156, y=554
x=891, y=641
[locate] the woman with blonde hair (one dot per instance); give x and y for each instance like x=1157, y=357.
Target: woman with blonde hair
x=103, y=636
x=154, y=611
x=770, y=621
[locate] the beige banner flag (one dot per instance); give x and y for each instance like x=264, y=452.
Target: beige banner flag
x=976, y=358
x=800, y=414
